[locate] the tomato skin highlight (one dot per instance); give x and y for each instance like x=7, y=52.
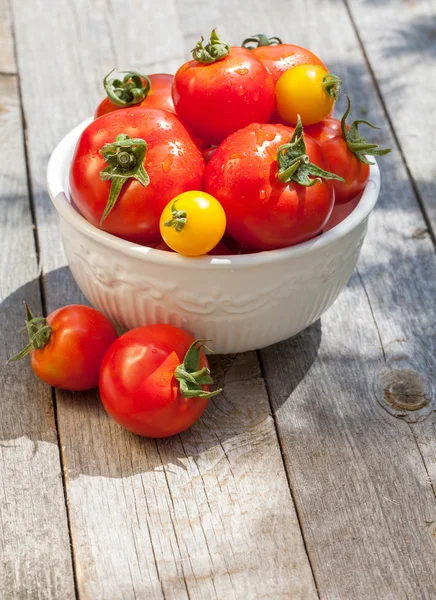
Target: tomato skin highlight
x=262, y=212
x=278, y=58
x=173, y=162
x=137, y=384
x=205, y=223
x=340, y=159
x=300, y=91
x=159, y=97
x=216, y=99
x=72, y=357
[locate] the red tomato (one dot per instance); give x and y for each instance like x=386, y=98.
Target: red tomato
x=159, y=96
x=217, y=97
x=262, y=211
x=278, y=57
x=68, y=346
x=143, y=381
x=345, y=150
x=173, y=164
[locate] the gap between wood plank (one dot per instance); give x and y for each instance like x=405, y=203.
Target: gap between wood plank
x=415, y=189
x=42, y=292
x=279, y=441
x=418, y=198
x=432, y=483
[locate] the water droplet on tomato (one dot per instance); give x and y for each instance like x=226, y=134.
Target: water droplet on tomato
x=166, y=164
x=154, y=351
x=256, y=95
x=262, y=194
x=235, y=155
x=240, y=91
x=241, y=71
x=263, y=136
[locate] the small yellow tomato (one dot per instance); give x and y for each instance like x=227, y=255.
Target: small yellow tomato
x=306, y=90
x=193, y=223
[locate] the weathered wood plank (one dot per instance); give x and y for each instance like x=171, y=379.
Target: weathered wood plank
x=34, y=544
x=399, y=38
x=204, y=515
x=358, y=477
x=7, y=59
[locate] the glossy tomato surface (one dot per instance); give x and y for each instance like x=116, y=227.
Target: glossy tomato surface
x=159, y=96
x=300, y=93
x=341, y=160
x=72, y=357
x=262, y=212
x=216, y=99
x=173, y=162
x=202, y=227
x=137, y=384
x=281, y=57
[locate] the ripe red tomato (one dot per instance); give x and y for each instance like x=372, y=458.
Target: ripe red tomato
x=156, y=92
x=156, y=163
x=278, y=57
x=66, y=349
x=272, y=196
x=154, y=381
x=345, y=149
x=222, y=90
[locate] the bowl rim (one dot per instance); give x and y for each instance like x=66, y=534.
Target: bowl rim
x=58, y=190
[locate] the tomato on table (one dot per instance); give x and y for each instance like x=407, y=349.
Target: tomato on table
x=193, y=223
x=308, y=91
x=223, y=89
x=136, y=90
x=66, y=348
x=155, y=381
x=128, y=165
x=278, y=57
x=346, y=152
x=273, y=185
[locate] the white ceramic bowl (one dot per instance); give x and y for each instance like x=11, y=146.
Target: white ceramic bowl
x=241, y=302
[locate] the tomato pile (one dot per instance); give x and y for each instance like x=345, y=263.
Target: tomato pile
x=239, y=146
x=237, y=153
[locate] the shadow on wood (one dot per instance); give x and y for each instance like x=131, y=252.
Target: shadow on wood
x=236, y=415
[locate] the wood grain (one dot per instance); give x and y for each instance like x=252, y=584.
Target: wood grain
x=205, y=515
x=400, y=42
x=34, y=543
x=359, y=474
x=7, y=59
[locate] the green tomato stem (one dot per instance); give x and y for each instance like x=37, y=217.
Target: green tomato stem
x=357, y=143
x=214, y=51
x=125, y=159
x=130, y=90
x=39, y=332
x=260, y=39
x=191, y=377
x=294, y=163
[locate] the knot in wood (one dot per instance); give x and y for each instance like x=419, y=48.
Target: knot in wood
x=404, y=390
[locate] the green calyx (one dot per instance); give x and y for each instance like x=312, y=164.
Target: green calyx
x=130, y=90
x=332, y=85
x=215, y=50
x=260, y=40
x=178, y=220
x=294, y=163
x=125, y=160
x=358, y=144
x=39, y=332
x=191, y=377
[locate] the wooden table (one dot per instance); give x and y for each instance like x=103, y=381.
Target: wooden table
x=313, y=474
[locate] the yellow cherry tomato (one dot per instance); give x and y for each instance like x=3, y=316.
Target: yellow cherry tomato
x=193, y=223
x=306, y=90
